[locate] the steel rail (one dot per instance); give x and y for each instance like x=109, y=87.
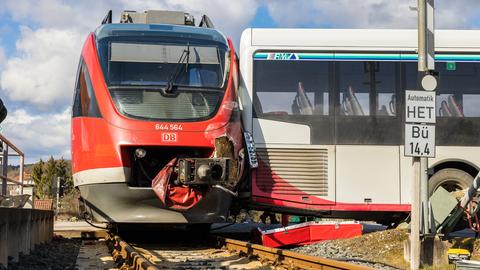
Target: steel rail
x=285, y=257
x=124, y=254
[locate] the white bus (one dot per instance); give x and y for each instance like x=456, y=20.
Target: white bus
x=326, y=111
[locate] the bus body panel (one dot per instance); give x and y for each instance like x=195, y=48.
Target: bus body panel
x=267, y=131
x=366, y=177
x=367, y=174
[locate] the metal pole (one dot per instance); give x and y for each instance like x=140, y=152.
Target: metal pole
x=419, y=206
x=426, y=62
x=421, y=11
x=58, y=196
x=4, y=180
x=415, y=217
x=4, y=168
x=425, y=229
x=22, y=163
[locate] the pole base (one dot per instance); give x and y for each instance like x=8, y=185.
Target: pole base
x=433, y=251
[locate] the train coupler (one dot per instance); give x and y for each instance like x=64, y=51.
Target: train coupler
x=204, y=171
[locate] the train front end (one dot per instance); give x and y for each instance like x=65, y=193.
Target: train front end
x=156, y=133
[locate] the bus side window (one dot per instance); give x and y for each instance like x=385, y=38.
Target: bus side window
x=301, y=103
x=291, y=88
x=354, y=93
x=367, y=88
x=458, y=92
x=392, y=105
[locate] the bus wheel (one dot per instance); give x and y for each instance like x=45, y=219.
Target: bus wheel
x=450, y=179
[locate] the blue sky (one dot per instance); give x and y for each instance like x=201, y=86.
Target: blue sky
x=40, y=42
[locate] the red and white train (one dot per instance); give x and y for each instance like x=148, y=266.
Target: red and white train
x=156, y=132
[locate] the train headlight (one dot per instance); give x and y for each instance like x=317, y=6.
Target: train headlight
x=140, y=152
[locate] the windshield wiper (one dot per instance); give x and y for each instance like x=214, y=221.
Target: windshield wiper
x=184, y=56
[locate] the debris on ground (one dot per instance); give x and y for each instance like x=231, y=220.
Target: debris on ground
x=61, y=253
x=383, y=247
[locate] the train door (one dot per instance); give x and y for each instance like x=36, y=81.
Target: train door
x=293, y=128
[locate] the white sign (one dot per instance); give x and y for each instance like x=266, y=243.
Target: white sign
x=420, y=107
x=419, y=140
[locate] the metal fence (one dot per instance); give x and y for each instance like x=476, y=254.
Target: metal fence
x=8, y=185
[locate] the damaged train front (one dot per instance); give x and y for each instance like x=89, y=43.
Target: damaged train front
x=165, y=145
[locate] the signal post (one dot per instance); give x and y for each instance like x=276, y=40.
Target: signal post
x=420, y=118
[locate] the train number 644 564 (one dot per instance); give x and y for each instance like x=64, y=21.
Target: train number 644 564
x=173, y=127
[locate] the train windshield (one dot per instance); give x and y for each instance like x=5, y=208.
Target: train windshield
x=137, y=75
x=158, y=64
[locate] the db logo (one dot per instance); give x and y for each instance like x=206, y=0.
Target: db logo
x=169, y=137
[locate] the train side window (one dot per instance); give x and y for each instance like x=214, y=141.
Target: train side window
x=85, y=103
x=291, y=88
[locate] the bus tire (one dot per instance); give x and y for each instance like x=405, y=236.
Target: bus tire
x=451, y=179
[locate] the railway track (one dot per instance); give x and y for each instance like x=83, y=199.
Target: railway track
x=211, y=253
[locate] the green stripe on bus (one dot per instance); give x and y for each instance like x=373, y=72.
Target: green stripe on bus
x=363, y=56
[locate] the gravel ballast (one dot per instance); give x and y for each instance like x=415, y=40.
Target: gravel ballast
x=61, y=253
x=385, y=247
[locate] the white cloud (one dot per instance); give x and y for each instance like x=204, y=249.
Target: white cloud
x=58, y=14
x=44, y=71
x=39, y=135
x=41, y=74
x=369, y=13
x=229, y=17
x=3, y=57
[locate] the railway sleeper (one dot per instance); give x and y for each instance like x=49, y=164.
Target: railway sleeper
x=131, y=258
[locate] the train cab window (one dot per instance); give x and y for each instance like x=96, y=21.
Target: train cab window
x=367, y=88
x=85, y=103
x=291, y=88
x=138, y=73
x=156, y=64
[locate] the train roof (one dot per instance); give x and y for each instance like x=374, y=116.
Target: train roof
x=127, y=29
x=358, y=39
